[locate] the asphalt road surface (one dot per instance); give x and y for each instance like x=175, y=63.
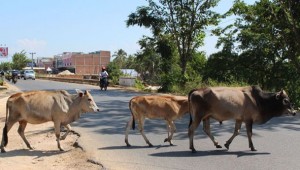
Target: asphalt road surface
x=277, y=141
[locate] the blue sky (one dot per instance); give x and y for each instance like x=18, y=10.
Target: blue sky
x=50, y=27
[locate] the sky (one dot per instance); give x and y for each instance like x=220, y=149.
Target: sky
x=51, y=27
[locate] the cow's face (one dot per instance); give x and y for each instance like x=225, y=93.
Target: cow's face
x=87, y=102
x=285, y=100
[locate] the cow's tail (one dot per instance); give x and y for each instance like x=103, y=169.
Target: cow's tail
x=5, y=137
x=189, y=99
x=133, y=122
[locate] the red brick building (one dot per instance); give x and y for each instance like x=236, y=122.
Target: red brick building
x=81, y=64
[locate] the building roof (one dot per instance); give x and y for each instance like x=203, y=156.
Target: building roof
x=130, y=72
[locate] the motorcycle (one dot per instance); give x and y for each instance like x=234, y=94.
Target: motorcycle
x=14, y=79
x=103, y=83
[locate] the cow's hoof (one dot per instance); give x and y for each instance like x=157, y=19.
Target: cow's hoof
x=194, y=151
x=167, y=140
x=226, y=145
x=218, y=146
x=253, y=149
x=62, y=138
x=128, y=145
x=3, y=151
x=150, y=145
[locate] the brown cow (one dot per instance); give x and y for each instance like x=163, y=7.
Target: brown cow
x=38, y=107
x=168, y=108
x=244, y=104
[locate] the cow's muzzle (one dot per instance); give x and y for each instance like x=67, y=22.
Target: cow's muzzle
x=292, y=112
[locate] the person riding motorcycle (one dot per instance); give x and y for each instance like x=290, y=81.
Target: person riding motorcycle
x=103, y=78
x=14, y=76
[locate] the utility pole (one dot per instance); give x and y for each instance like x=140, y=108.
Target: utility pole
x=32, y=59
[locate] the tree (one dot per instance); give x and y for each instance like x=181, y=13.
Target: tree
x=148, y=61
x=288, y=15
x=114, y=72
x=6, y=66
x=120, y=58
x=19, y=60
x=266, y=39
x=184, y=20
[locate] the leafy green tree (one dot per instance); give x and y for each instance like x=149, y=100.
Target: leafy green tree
x=114, y=72
x=196, y=67
x=6, y=66
x=130, y=62
x=287, y=14
x=183, y=20
x=170, y=74
x=19, y=60
x=265, y=37
x=120, y=58
x=148, y=61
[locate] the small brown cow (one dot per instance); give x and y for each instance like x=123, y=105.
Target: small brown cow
x=38, y=107
x=244, y=104
x=168, y=108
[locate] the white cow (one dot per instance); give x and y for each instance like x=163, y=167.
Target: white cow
x=38, y=107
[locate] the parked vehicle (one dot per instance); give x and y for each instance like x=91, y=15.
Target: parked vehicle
x=29, y=74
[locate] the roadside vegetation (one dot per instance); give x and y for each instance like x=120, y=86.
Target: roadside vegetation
x=258, y=45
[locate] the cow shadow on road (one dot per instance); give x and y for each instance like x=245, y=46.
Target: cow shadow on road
x=31, y=153
x=207, y=153
x=135, y=147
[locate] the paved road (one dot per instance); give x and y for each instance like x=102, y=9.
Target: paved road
x=103, y=136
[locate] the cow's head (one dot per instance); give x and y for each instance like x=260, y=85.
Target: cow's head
x=283, y=98
x=87, y=103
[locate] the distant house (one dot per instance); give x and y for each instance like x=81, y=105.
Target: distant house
x=80, y=63
x=129, y=72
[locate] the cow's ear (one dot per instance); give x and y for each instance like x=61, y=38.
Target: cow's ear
x=79, y=92
x=279, y=94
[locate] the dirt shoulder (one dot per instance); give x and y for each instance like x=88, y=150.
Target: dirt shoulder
x=46, y=154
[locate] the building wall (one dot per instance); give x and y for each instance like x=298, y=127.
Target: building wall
x=89, y=63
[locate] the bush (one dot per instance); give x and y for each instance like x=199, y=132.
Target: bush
x=139, y=84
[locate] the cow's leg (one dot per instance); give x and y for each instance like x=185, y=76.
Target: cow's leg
x=69, y=128
x=57, y=134
x=237, y=128
x=249, y=134
x=141, y=128
x=206, y=129
x=168, y=130
x=171, y=128
x=7, y=127
x=21, y=129
x=192, y=129
x=129, y=124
